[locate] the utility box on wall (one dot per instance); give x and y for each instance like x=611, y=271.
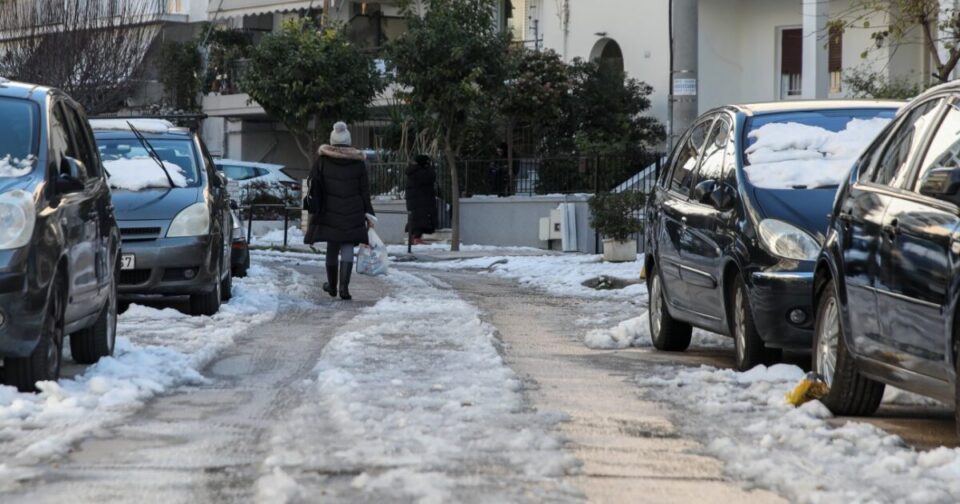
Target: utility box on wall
x=551, y=228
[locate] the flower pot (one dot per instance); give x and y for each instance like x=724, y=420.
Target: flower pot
x=619, y=251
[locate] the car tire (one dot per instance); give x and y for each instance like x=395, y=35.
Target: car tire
x=226, y=289
x=44, y=363
x=208, y=303
x=850, y=393
x=748, y=345
x=240, y=272
x=667, y=333
x=89, y=345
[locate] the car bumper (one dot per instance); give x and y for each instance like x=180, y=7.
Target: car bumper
x=774, y=295
x=240, y=255
x=170, y=266
x=22, y=316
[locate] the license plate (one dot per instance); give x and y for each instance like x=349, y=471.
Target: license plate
x=128, y=262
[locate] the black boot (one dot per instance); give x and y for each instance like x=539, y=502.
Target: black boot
x=330, y=286
x=346, y=268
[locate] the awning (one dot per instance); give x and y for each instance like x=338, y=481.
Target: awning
x=239, y=8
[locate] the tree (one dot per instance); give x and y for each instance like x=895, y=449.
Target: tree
x=179, y=69
x=309, y=79
x=92, y=50
x=451, y=61
x=939, y=28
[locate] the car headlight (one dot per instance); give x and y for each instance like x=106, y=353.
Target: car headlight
x=191, y=221
x=17, y=218
x=787, y=241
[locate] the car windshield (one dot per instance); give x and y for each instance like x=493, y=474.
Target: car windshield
x=132, y=168
x=809, y=149
x=18, y=137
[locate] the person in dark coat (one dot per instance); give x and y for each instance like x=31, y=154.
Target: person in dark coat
x=340, y=207
x=421, y=198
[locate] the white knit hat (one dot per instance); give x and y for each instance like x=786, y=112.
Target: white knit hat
x=340, y=135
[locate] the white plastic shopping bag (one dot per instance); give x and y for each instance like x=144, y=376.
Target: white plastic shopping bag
x=372, y=259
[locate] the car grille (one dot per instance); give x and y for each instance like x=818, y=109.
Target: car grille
x=135, y=277
x=140, y=233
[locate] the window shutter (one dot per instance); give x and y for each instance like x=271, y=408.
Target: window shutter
x=791, y=47
x=836, y=49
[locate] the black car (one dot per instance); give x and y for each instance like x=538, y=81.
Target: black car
x=59, y=244
x=888, y=278
x=173, y=210
x=738, y=216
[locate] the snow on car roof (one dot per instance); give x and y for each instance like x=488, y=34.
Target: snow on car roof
x=156, y=126
x=798, y=105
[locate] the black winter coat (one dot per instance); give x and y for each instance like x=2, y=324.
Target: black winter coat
x=421, y=196
x=339, y=197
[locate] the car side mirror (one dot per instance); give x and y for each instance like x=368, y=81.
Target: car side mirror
x=723, y=197
x=703, y=190
x=72, y=175
x=941, y=183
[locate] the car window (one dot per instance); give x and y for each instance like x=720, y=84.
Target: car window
x=81, y=145
x=687, y=157
x=239, y=172
x=60, y=145
x=944, y=151
x=131, y=167
x=711, y=164
x=19, y=138
x=892, y=168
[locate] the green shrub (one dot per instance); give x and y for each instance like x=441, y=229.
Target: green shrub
x=617, y=215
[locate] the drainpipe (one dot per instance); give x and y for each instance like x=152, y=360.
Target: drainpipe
x=684, y=40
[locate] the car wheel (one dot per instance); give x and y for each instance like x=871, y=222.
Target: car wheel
x=89, y=345
x=850, y=394
x=667, y=333
x=209, y=303
x=44, y=363
x=750, y=350
x=226, y=289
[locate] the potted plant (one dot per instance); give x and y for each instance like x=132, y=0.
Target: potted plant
x=616, y=216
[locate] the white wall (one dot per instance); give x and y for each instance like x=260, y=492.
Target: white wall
x=638, y=26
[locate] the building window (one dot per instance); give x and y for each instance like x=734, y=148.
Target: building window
x=791, y=62
x=836, y=59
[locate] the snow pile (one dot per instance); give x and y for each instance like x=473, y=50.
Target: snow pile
x=157, y=126
x=794, y=451
x=786, y=155
x=13, y=167
x=414, y=398
x=275, y=237
x=626, y=334
x=559, y=275
x=136, y=174
x=445, y=247
x=157, y=350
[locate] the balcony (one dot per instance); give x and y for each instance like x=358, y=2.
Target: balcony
x=254, y=7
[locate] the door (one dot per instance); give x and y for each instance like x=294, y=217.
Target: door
x=674, y=208
x=916, y=273
x=78, y=217
x=701, y=244
x=888, y=185
x=223, y=218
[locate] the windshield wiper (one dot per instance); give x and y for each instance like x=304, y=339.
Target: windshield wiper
x=150, y=150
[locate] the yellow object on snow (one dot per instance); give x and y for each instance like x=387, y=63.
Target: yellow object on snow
x=810, y=388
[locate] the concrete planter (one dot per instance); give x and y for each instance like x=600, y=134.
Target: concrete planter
x=617, y=251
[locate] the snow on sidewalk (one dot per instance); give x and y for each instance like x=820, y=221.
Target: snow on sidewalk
x=745, y=422
x=413, y=402
x=157, y=350
x=558, y=275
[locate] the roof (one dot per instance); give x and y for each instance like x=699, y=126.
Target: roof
x=237, y=162
x=21, y=90
x=802, y=105
x=145, y=126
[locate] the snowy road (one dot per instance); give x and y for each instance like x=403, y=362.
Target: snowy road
x=446, y=383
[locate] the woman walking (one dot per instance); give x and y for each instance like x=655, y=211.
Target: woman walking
x=339, y=206
x=421, y=198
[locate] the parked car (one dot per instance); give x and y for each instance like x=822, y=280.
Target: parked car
x=240, y=255
x=173, y=211
x=59, y=243
x=738, y=216
x=249, y=174
x=886, y=285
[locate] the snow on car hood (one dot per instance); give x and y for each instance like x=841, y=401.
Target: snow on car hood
x=13, y=167
x=136, y=174
x=793, y=155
